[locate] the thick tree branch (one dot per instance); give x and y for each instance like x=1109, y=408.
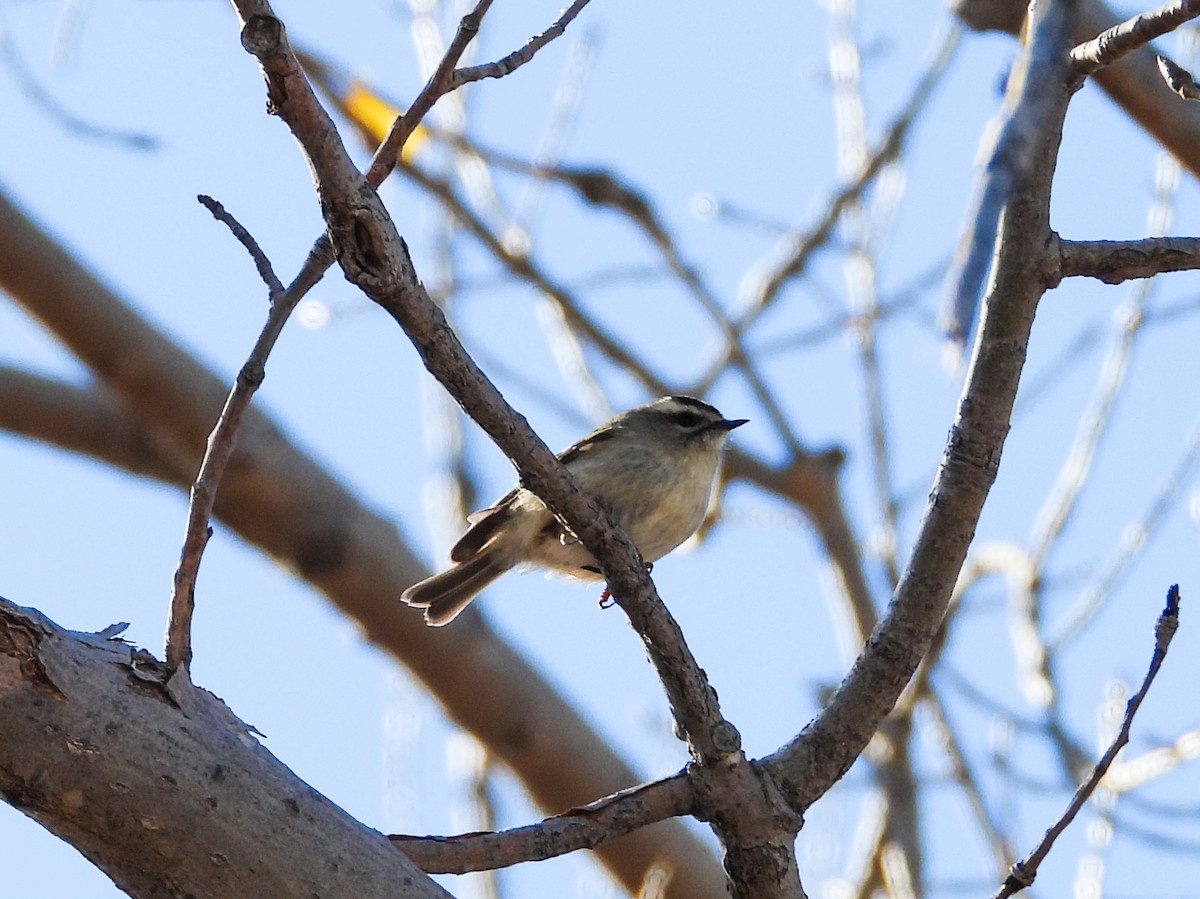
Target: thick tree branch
x=226, y=817
x=828, y=746
x=88, y=420
x=1133, y=82
x=755, y=825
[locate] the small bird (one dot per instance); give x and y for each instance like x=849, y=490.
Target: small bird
x=652, y=469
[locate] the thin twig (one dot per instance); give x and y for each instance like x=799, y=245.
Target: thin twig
x=1097, y=420
x=963, y=775
x=219, y=448
x=800, y=248
x=523, y=268
x=862, y=284
x=577, y=828
x=1120, y=40
x=1024, y=872
x=1062, y=500
x=602, y=188
x=222, y=439
x=561, y=118
x=518, y=58
x=440, y=82
x=274, y=285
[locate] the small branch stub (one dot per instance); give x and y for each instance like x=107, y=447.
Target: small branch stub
x=262, y=35
x=1178, y=79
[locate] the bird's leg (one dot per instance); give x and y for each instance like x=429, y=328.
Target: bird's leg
x=606, y=598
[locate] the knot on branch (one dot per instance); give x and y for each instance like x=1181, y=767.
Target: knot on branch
x=262, y=36
x=725, y=738
x=360, y=249
x=372, y=255
x=1019, y=877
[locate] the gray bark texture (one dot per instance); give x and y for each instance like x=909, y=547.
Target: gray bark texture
x=160, y=785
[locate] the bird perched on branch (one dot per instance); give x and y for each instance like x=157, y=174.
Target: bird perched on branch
x=652, y=469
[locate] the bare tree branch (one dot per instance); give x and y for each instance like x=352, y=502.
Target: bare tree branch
x=1134, y=81
x=581, y=828
x=280, y=500
x=23, y=75
x=810, y=479
x=440, y=83
x=1120, y=40
x=88, y=420
x=1010, y=150
x=1025, y=871
x=523, y=267
x=800, y=248
x=751, y=818
x=1114, y=261
x=122, y=735
x=828, y=746
x=1133, y=539
x=219, y=449
x=518, y=58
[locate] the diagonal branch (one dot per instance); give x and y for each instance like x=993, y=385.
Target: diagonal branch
x=441, y=82
x=825, y=750
x=775, y=275
x=374, y=257
x=277, y=498
x=1025, y=871
x=1130, y=35
x=519, y=57
x=135, y=775
x=749, y=815
x=219, y=449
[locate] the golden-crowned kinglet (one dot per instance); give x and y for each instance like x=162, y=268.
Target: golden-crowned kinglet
x=652, y=468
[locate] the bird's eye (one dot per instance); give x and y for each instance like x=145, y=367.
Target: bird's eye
x=686, y=419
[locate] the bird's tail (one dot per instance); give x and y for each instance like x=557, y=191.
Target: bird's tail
x=446, y=594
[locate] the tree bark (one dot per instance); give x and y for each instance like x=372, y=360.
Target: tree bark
x=161, y=786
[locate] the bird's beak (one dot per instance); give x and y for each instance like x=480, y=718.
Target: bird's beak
x=730, y=424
